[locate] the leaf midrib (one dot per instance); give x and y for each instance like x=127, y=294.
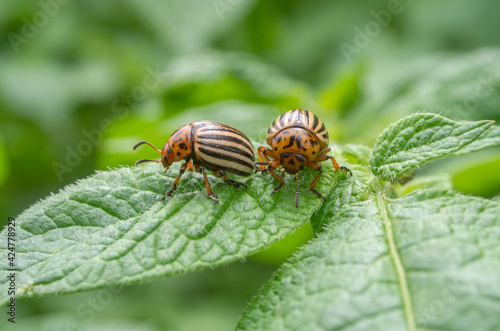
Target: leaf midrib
x=396, y=259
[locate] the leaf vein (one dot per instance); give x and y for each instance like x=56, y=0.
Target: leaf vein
x=405, y=292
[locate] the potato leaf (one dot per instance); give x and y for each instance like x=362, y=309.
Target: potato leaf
x=420, y=138
x=427, y=261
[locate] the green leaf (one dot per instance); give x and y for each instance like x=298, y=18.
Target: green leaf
x=428, y=261
x=420, y=138
x=490, y=138
x=356, y=188
x=360, y=153
x=114, y=229
x=477, y=173
x=437, y=181
x=466, y=87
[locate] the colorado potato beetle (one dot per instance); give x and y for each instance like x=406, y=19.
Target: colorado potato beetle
x=207, y=145
x=298, y=139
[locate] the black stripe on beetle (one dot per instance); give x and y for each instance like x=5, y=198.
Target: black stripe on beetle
x=275, y=126
x=316, y=122
x=233, y=139
x=222, y=130
x=216, y=162
x=323, y=127
x=226, y=157
x=228, y=130
x=212, y=166
x=226, y=148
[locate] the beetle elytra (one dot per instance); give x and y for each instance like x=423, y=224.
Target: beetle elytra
x=207, y=145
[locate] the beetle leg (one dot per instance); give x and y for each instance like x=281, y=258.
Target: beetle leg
x=210, y=194
x=281, y=180
x=221, y=173
x=323, y=153
x=323, y=157
x=271, y=165
x=263, y=153
x=274, y=164
x=317, y=167
x=176, y=181
x=336, y=166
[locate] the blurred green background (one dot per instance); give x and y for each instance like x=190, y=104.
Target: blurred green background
x=82, y=81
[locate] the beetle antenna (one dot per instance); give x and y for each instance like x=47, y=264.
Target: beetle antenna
x=146, y=160
x=145, y=142
x=298, y=191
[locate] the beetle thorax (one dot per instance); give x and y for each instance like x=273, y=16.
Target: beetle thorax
x=179, y=145
x=295, y=148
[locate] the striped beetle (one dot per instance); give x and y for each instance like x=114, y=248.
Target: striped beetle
x=207, y=145
x=298, y=139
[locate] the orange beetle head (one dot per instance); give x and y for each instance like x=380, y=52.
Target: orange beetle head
x=167, y=156
x=176, y=149
x=293, y=163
